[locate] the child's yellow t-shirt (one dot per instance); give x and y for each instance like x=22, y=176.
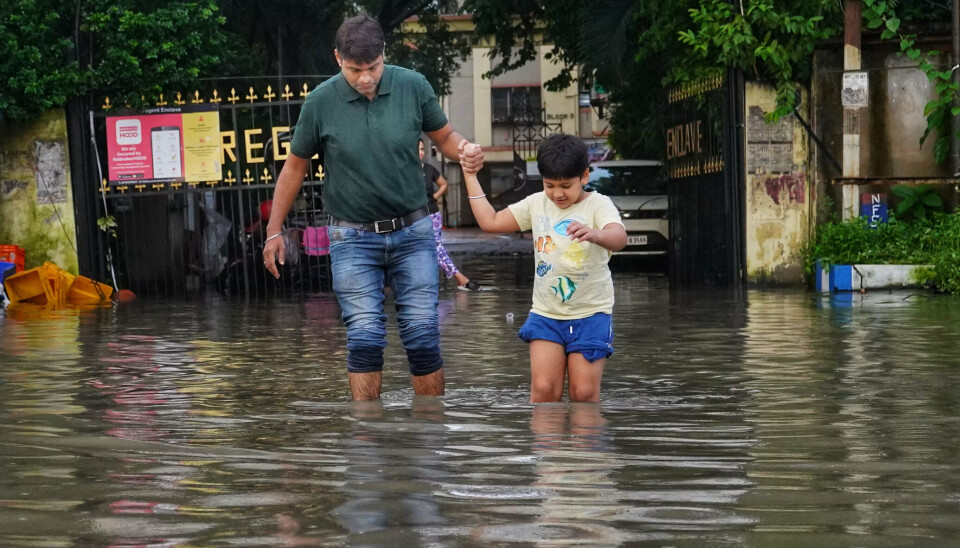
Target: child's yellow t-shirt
x=572, y=279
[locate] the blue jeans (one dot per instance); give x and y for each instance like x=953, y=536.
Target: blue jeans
x=361, y=261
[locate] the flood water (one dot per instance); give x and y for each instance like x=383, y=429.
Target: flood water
x=766, y=418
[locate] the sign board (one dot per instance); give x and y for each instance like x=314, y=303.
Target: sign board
x=874, y=208
x=856, y=90
x=164, y=144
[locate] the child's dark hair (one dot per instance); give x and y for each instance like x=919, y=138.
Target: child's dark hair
x=360, y=39
x=562, y=156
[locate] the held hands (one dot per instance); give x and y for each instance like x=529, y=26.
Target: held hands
x=273, y=250
x=582, y=233
x=471, y=157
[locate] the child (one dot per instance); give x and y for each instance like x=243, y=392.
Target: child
x=569, y=328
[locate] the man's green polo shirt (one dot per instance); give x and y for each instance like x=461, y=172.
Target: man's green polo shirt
x=369, y=149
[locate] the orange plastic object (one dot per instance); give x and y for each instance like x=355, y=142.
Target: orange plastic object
x=52, y=286
x=85, y=290
x=13, y=254
x=30, y=286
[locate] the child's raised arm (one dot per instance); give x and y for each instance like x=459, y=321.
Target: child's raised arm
x=489, y=219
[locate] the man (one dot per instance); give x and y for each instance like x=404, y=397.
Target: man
x=365, y=123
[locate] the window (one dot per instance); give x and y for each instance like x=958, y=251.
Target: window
x=516, y=104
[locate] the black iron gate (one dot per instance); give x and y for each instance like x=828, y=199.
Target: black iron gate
x=704, y=137
x=174, y=239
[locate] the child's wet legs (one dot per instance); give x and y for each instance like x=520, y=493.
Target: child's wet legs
x=548, y=367
x=585, y=377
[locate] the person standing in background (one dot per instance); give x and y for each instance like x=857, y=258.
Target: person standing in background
x=436, y=186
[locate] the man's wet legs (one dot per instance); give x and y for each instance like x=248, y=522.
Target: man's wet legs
x=431, y=384
x=412, y=262
x=358, y=277
x=365, y=386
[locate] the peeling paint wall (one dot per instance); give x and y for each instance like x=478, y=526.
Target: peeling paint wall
x=36, y=201
x=778, y=193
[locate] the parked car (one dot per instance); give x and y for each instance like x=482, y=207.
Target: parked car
x=639, y=190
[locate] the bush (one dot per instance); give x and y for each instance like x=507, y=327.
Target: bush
x=933, y=240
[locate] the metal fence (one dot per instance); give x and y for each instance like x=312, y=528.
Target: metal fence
x=181, y=239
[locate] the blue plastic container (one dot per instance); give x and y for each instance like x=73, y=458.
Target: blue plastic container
x=7, y=269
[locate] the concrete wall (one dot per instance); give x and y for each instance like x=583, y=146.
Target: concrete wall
x=36, y=199
x=890, y=127
x=778, y=192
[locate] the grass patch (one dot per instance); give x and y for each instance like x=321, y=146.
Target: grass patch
x=933, y=240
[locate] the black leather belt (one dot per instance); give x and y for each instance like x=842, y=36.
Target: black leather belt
x=386, y=225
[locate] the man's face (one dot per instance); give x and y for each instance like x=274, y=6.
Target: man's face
x=363, y=77
x=422, y=151
x=566, y=192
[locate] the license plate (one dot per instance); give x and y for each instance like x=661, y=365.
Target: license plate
x=636, y=240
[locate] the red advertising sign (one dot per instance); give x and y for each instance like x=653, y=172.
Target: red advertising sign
x=150, y=146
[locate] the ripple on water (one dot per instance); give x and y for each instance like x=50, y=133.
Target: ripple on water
x=755, y=418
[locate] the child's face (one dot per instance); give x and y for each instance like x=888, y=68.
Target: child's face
x=566, y=192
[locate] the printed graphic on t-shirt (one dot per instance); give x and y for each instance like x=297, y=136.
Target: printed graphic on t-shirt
x=564, y=288
x=543, y=268
x=575, y=255
x=545, y=244
x=561, y=227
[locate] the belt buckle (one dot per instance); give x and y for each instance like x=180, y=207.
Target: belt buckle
x=391, y=223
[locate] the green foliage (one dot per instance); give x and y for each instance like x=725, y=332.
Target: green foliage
x=917, y=201
x=612, y=41
x=35, y=70
x=940, y=110
x=51, y=50
x=145, y=51
x=933, y=239
x=435, y=53
x=774, y=41
x=108, y=224
x=598, y=43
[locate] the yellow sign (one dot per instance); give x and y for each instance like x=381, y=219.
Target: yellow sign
x=201, y=146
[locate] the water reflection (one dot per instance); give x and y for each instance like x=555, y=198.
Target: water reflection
x=758, y=418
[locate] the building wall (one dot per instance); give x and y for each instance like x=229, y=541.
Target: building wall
x=560, y=106
x=778, y=192
x=36, y=198
x=890, y=127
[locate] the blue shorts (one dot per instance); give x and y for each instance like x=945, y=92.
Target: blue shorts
x=591, y=336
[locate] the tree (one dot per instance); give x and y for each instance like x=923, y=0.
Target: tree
x=141, y=47
x=35, y=70
x=631, y=46
x=437, y=52
x=51, y=50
